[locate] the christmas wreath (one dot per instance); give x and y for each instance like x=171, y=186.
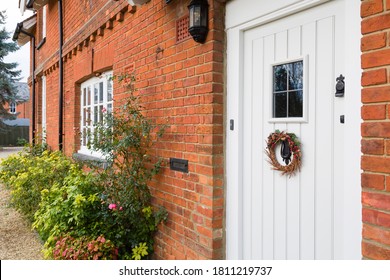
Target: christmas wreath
x=290, y=147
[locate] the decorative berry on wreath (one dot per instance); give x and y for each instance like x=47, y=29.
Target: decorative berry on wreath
x=290, y=152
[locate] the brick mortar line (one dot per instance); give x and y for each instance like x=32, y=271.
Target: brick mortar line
x=376, y=209
x=374, y=191
x=375, y=121
x=378, y=226
x=374, y=69
x=376, y=50
x=377, y=244
x=378, y=156
x=384, y=12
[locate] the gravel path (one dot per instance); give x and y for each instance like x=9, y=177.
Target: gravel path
x=17, y=240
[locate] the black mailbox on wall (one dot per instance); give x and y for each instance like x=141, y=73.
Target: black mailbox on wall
x=178, y=164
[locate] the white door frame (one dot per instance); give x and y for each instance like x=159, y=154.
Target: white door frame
x=234, y=141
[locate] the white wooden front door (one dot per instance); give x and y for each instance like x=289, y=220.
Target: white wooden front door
x=301, y=217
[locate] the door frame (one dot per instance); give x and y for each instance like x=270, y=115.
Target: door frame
x=234, y=111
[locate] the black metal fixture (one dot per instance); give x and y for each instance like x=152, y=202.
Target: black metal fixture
x=168, y=1
x=340, y=86
x=178, y=164
x=199, y=17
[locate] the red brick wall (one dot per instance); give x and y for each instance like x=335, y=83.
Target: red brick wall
x=24, y=110
x=180, y=84
x=375, y=46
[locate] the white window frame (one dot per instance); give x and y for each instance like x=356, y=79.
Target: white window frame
x=91, y=109
x=304, y=118
x=44, y=107
x=44, y=13
x=12, y=107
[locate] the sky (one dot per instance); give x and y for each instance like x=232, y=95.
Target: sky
x=22, y=56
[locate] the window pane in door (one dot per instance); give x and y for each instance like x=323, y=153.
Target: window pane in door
x=295, y=75
x=288, y=90
x=280, y=105
x=295, y=104
x=280, y=78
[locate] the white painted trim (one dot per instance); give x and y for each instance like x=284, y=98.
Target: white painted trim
x=352, y=244
x=44, y=13
x=234, y=145
x=90, y=84
x=280, y=13
x=352, y=202
x=44, y=107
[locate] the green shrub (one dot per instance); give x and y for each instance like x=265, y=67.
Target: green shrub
x=21, y=142
x=27, y=175
x=69, y=207
x=104, y=214
x=126, y=138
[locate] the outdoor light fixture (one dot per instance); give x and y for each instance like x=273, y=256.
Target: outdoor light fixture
x=199, y=18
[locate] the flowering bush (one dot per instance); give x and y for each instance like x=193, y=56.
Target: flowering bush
x=84, y=248
x=103, y=214
x=126, y=137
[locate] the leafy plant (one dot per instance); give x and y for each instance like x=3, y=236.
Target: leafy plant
x=27, y=175
x=126, y=137
x=21, y=142
x=84, y=248
x=140, y=251
x=101, y=214
x=69, y=207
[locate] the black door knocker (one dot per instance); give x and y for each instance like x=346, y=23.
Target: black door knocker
x=285, y=152
x=340, y=85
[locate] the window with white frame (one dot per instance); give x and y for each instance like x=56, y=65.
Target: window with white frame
x=12, y=107
x=96, y=99
x=43, y=106
x=44, y=11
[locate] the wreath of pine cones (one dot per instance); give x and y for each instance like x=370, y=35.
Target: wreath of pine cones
x=291, y=139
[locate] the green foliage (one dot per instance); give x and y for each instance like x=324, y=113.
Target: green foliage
x=70, y=206
x=21, y=142
x=101, y=214
x=8, y=74
x=27, y=175
x=126, y=137
x=84, y=248
x=140, y=251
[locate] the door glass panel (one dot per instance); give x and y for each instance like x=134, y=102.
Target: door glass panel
x=295, y=75
x=295, y=103
x=280, y=105
x=288, y=90
x=280, y=78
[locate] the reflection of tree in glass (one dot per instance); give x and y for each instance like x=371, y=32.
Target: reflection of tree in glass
x=295, y=75
x=280, y=78
x=295, y=104
x=288, y=94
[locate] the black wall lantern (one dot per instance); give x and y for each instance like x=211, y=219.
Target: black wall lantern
x=199, y=18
